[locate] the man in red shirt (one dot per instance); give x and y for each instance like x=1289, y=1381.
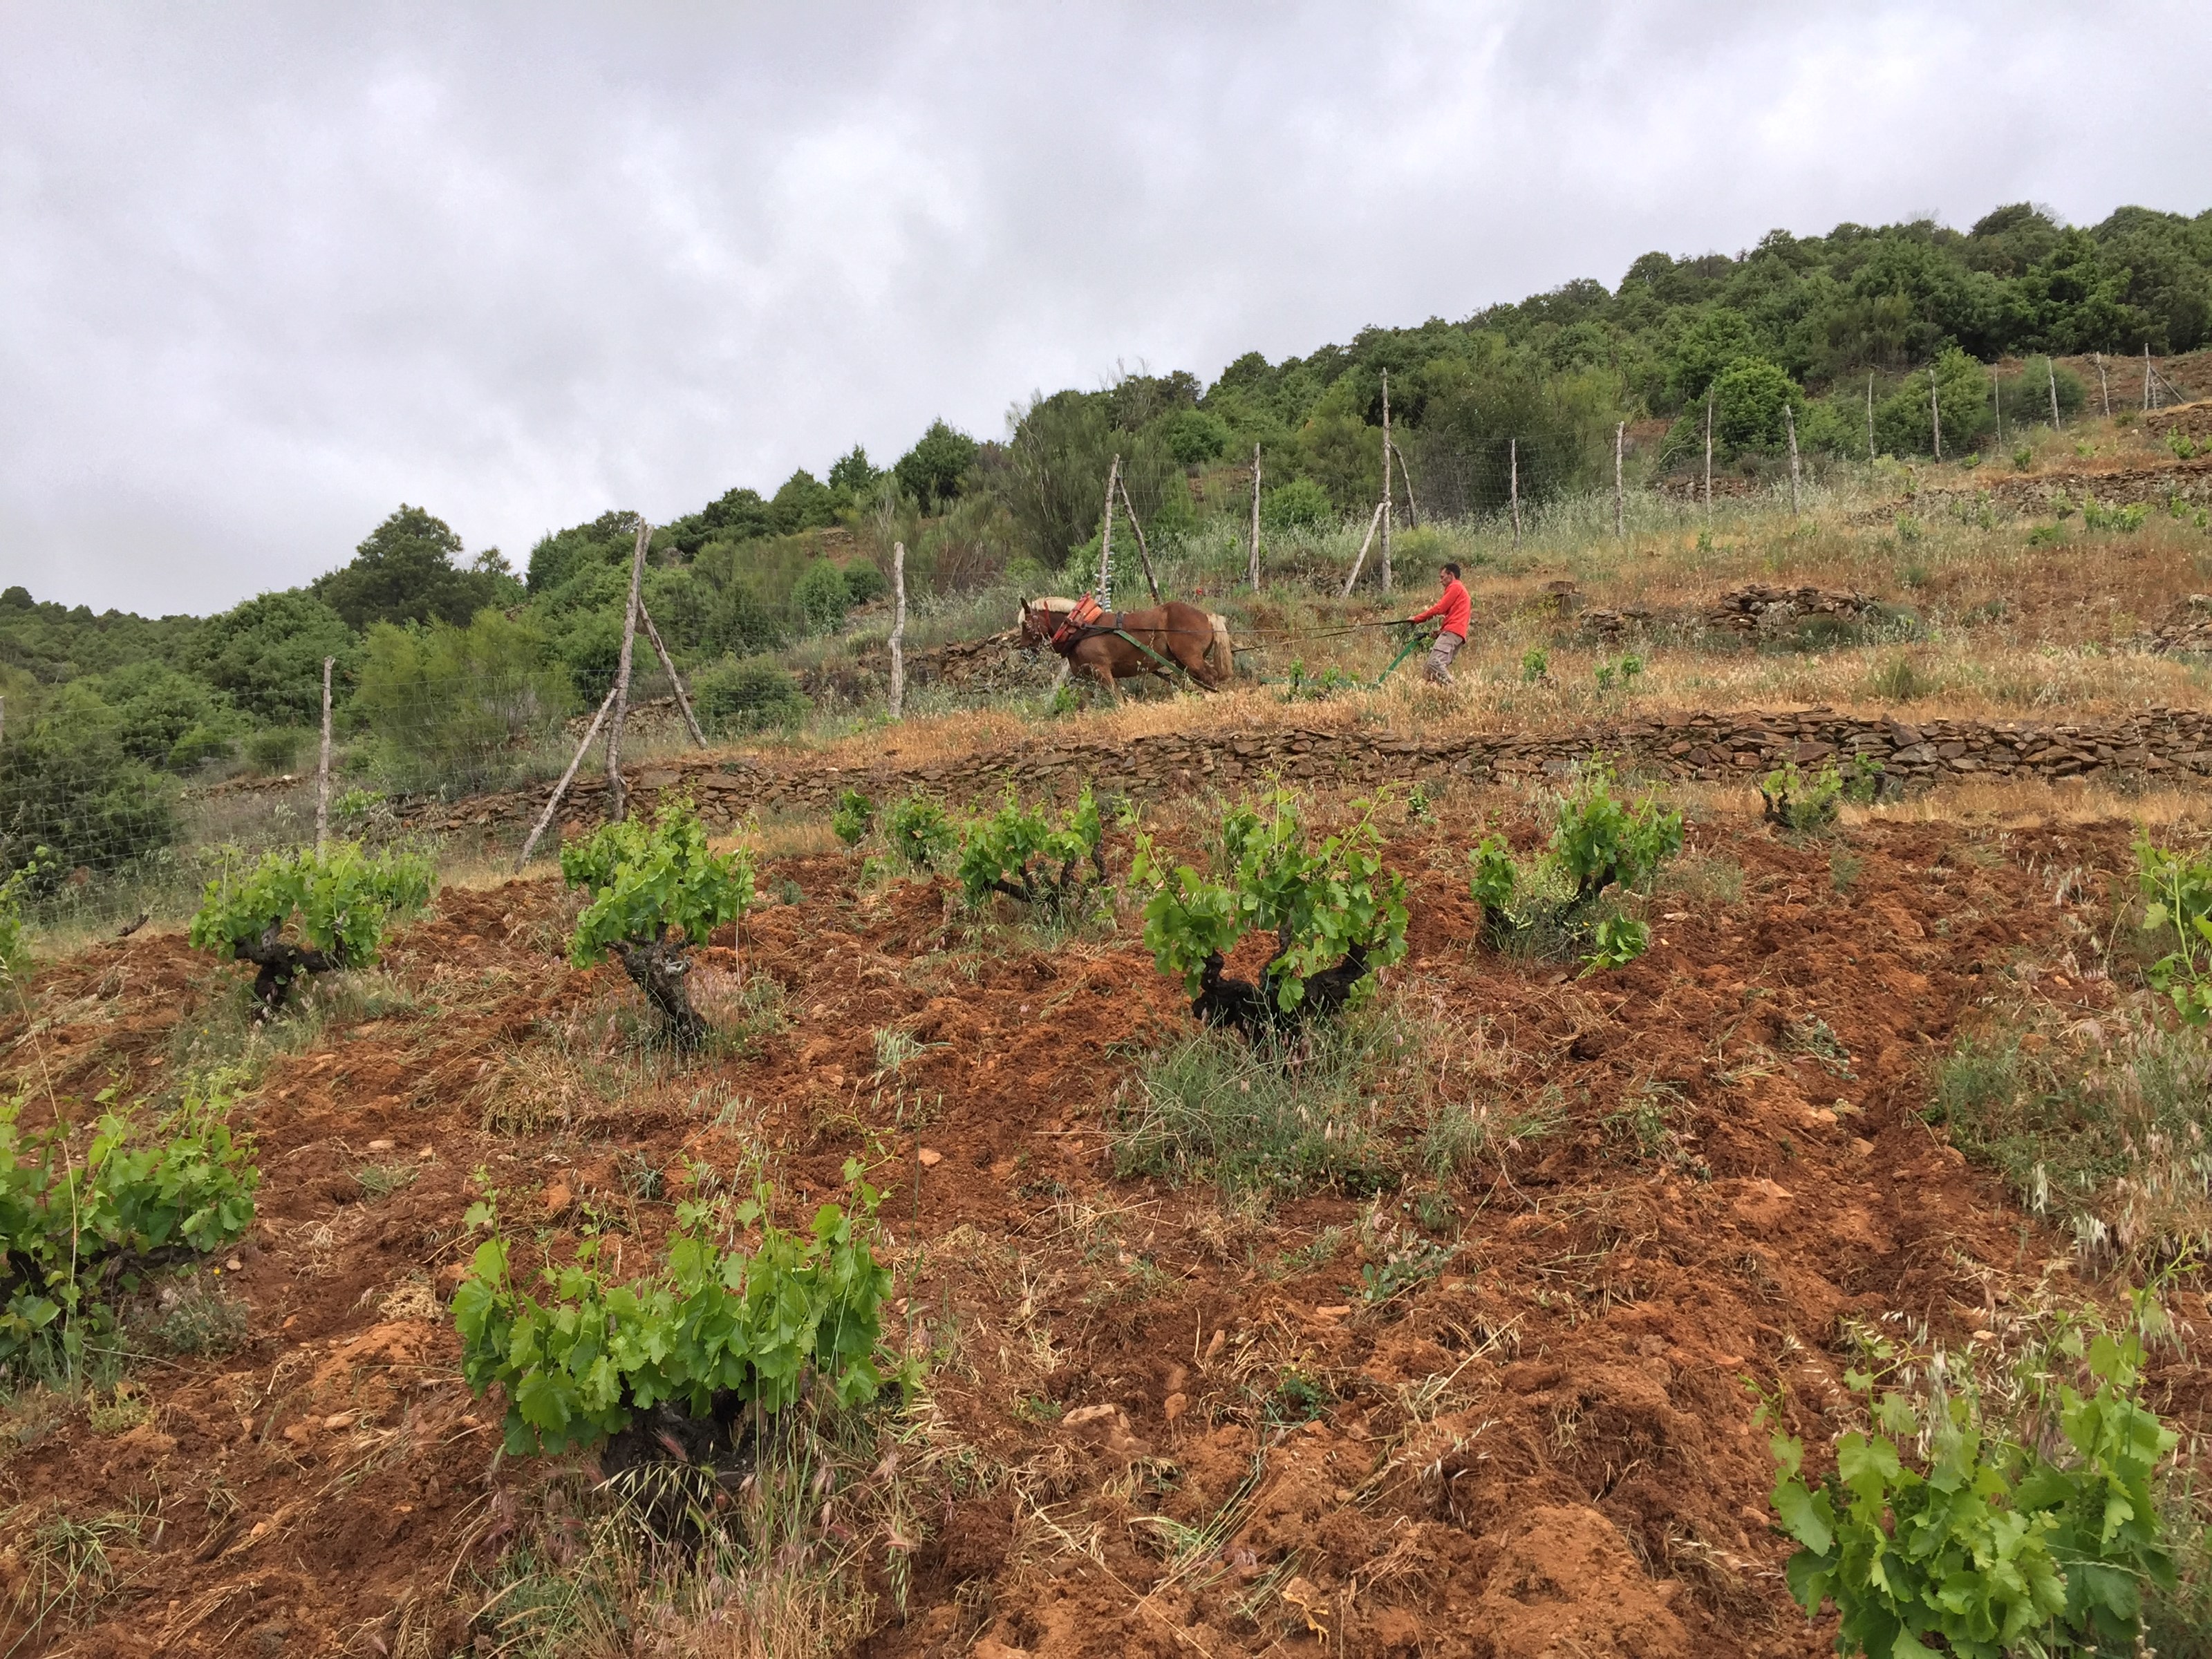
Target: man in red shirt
x=1455, y=607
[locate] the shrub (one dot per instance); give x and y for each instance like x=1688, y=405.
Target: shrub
x=1598, y=842
x=854, y=817
x=656, y=893
x=459, y=704
x=15, y=941
x=68, y=1224
x=1194, y=436
x=1337, y=915
x=74, y=793
x=711, y=1330
x=2178, y=893
x=1989, y=1547
x=338, y=903
x=1623, y=672
x=1015, y=851
x=275, y=750
x=747, y=694
x=1296, y=504
x=820, y=599
x=1800, y=804
x=919, y=832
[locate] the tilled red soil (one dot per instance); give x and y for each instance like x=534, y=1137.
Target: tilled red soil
x=1547, y=1449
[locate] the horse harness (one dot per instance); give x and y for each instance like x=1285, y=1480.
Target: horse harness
x=1091, y=620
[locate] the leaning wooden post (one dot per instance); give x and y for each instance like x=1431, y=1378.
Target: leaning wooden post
x=1405, y=477
x=1619, y=495
x=898, y=630
x=1709, y=455
x=568, y=777
x=1106, y=539
x=675, y=680
x=1386, y=478
x=2146, y=377
x=1365, y=543
x=1869, y=423
x=1144, y=553
x=2104, y=386
x=1935, y=413
x=323, y=765
x=1997, y=402
x=2050, y=368
x=615, y=802
x=1256, y=518
x=1513, y=486
x=1790, y=420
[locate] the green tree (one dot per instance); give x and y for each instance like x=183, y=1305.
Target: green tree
x=933, y=469
x=460, y=705
x=167, y=717
x=405, y=571
x=852, y=479
x=266, y=655
x=821, y=599
x=803, y=502
x=1749, y=396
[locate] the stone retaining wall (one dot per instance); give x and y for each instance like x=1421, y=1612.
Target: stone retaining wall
x=2172, y=744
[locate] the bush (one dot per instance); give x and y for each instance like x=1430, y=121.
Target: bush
x=338, y=903
x=1014, y=851
x=919, y=832
x=15, y=941
x=1194, y=436
x=1749, y=400
x=457, y=705
x=1296, y=504
x=820, y=599
x=656, y=893
x=865, y=583
x=266, y=655
x=275, y=750
x=711, y=1330
x=74, y=793
x=1803, y=805
x=753, y=695
x=854, y=816
x=1598, y=842
x=1990, y=1546
x=1336, y=914
x=68, y=1224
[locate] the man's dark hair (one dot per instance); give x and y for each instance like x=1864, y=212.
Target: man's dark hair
x=1454, y=569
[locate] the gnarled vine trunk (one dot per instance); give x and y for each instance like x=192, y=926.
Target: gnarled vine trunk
x=1253, y=1009
x=280, y=963
x=658, y=969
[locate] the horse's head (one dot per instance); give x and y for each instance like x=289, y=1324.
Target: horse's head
x=1041, y=619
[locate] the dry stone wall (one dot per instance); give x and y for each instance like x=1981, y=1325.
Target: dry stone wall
x=2159, y=744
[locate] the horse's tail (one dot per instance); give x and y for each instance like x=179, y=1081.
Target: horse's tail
x=1220, y=650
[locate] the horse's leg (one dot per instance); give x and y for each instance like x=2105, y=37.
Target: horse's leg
x=1099, y=664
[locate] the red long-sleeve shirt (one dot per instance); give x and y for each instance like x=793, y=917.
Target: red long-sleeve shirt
x=1454, y=608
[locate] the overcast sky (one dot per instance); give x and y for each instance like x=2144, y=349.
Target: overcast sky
x=267, y=271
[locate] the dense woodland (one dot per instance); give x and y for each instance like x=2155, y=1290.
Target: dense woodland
x=1860, y=325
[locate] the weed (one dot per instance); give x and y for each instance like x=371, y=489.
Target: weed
x=1407, y=1265
x=1844, y=868
x=65, y=1564
x=2022, y=458
x=1535, y=667
x=1622, y=672
x=382, y=1180
x=196, y=1317
x=1299, y=1396
x=1269, y=1115
x=1460, y=1136
x=1900, y=680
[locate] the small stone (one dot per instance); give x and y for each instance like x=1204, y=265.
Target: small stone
x=379, y=1146
x=1175, y=1406
x=929, y=1158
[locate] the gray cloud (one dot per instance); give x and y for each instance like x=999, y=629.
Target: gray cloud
x=267, y=271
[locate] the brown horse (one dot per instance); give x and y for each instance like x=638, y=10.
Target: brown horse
x=1191, y=639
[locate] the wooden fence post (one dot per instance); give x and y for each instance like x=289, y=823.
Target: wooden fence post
x=2104, y=386
x=898, y=630
x=2146, y=377
x=1709, y=455
x=615, y=802
x=1619, y=495
x=1256, y=518
x=1405, y=477
x=1789, y=419
x=1144, y=553
x=1934, y=412
x=553, y=801
x=675, y=680
x=1386, y=478
x=2050, y=368
x=1513, y=486
x=1106, y=539
x=1997, y=402
x=1364, y=544
x=1869, y=423
x=323, y=766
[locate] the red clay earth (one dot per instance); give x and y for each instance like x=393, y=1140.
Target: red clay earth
x=1546, y=1450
